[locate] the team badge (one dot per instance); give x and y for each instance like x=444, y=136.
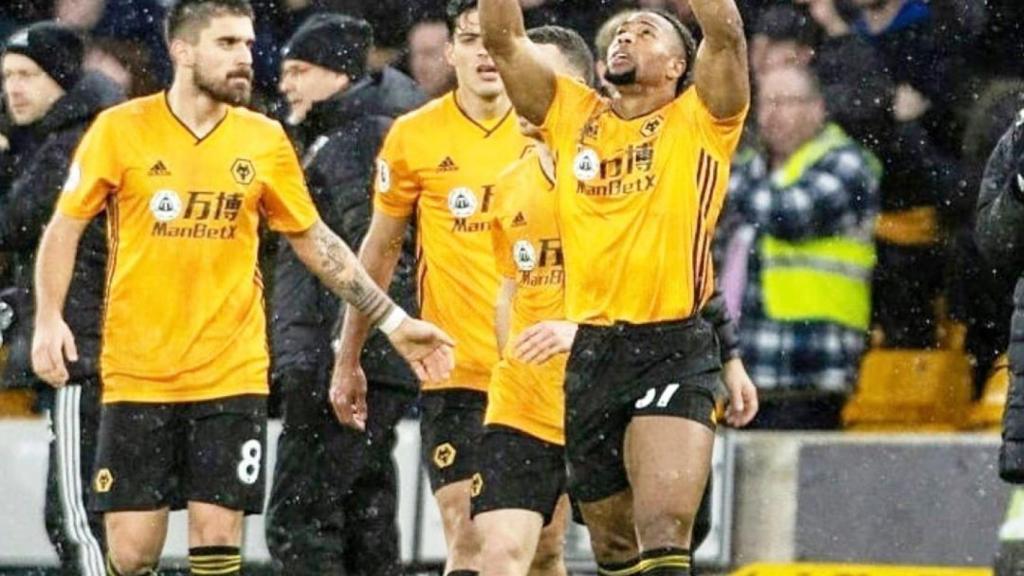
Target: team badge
x=243, y=171
x=650, y=127
x=383, y=176
x=477, y=485
x=462, y=202
x=74, y=178
x=586, y=165
x=524, y=256
x=444, y=455
x=104, y=481
x=165, y=205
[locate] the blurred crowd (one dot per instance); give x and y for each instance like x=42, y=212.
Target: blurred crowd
x=869, y=133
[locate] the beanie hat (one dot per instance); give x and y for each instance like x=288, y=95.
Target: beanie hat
x=334, y=41
x=56, y=49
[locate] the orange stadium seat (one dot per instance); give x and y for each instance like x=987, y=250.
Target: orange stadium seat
x=924, y=390
x=987, y=412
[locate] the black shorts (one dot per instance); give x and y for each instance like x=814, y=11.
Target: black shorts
x=518, y=471
x=451, y=427
x=152, y=456
x=617, y=372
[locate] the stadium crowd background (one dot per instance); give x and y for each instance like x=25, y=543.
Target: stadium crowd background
x=927, y=87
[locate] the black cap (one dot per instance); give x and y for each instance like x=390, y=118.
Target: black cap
x=57, y=49
x=334, y=41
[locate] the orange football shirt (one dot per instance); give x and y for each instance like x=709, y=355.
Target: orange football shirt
x=528, y=249
x=441, y=166
x=184, y=316
x=638, y=202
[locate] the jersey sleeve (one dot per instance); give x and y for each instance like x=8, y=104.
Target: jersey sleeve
x=722, y=134
x=569, y=111
x=286, y=201
x=94, y=174
x=396, y=189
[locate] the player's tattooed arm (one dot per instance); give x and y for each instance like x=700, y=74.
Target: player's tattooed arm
x=720, y=72
x=529, y=80
x=327, y=256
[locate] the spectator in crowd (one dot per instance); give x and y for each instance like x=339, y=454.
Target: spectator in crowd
x=427, y=61
x=858, y=94
x=808, y=205
x=919, y=58
x=131, y=30
x=333, y=504
x=52, y=103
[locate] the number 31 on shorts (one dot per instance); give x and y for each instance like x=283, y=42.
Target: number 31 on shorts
x=249, y=467
x=663, y=394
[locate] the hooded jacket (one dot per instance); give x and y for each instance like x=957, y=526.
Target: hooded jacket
x=26, y=207
x=341, y=137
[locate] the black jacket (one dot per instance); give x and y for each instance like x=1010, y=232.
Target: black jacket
x=1000, y=236
x=25, y=209
x=341, y=137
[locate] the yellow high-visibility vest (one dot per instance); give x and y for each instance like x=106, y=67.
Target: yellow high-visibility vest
x=821, y=279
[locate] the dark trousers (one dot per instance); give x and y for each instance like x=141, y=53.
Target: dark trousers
x=333, y=503
x=76, y=532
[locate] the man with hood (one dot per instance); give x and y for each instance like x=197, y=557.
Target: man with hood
x=333, y=504
x=50, y=102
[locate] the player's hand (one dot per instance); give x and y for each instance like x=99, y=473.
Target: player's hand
x=348, y=395
x=742, y=394
x=540, y=342
x=51, y=344
x=426, y=348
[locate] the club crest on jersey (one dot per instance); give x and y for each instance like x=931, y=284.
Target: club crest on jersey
x=586, y=165
x=650, y=127
x=243, y=171
x=462, y=202
x=74, y=178
x=165, y=205
x=524, y=256
x=383, y=176
x=104, y=481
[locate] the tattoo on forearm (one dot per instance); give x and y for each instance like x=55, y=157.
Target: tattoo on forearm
x=340, y=271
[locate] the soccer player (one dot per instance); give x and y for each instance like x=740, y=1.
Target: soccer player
x=519, y=502
x=184, y=177
x=640, y=182
x=441, y=163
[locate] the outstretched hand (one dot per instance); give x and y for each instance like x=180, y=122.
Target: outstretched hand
x=426, y=348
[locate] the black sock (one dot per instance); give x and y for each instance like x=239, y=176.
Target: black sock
x=665, y=562
x=214, y=560
x=463, y=573
x=112, y=570
x=628, y=568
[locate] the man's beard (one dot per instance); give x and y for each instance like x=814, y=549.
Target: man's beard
x=223, y=90
x=625, y=78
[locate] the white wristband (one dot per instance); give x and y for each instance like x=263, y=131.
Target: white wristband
x=393, y=320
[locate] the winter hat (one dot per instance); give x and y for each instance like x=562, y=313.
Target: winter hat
x=334, y=41
x=57, y=49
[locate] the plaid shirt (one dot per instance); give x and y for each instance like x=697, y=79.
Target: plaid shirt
x=838, y=195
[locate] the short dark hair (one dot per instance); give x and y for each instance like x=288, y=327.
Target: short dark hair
x=570, y=44
x=187, y=17
x=455, y=10
x=686, y=38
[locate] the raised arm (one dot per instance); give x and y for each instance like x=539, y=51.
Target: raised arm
x=52, y=341
x=721, y=75
x=529, y=81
